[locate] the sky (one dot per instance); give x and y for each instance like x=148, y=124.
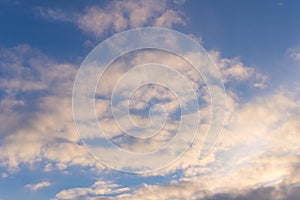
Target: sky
x=243, y=106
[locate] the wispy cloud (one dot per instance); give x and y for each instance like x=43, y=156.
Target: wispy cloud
x=56, y=14
x=120, y=15
x=117, y=16
x=294, y=53
x=38, y=186
x=233, y=69
x=98, y=189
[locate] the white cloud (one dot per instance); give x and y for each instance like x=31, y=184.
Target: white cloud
x=259, y=144
x=168, y=19
x=35, y=127
x=99, y=188
x=117, y=16
x=38, y=186
x=53, y=121
x=4, y=175
x=232, y=69
x=294, y=53
x=259, y=148
x=243, y=73
x=50, y=129
x=56, y=14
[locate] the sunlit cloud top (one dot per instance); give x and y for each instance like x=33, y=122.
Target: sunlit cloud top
x=255, y=54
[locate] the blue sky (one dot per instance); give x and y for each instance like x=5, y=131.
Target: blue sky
x=255, y=46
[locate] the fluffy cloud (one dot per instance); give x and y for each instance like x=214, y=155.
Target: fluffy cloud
x=117, y=16
x=168, y=19
x=120, y=15
x=258, y=153
x=191, y=157
x=45, y=102
x=259, y=146
x=38, y=186
x=233, y=69
x=36, y=117
x=256, y=158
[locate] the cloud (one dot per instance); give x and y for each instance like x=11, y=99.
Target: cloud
x=146, y=95
x=278, y=192
x=4, y=175
x=256, y=158
x=44, y=113
x=56, y=14
x=38, y=186
x=120, y=15
x=36, y=112
x=258, y=153
x=195, y=192
x=232, y=69
x=99, y=188
x=259, y=143
x=117, y=16
x=294, y=53
x=179, y=2
x=168, y=19
x=191, y=157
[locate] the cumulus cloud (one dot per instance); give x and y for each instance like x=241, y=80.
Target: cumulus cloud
x=258, y=152
x=233, y=69
x=36, y=117
x=49, y=127
x=256, y=158
x=259, y=144
x=120, y=15
x=38, y=186
x=191, y=157
x=117, y=16
x=168, y=19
